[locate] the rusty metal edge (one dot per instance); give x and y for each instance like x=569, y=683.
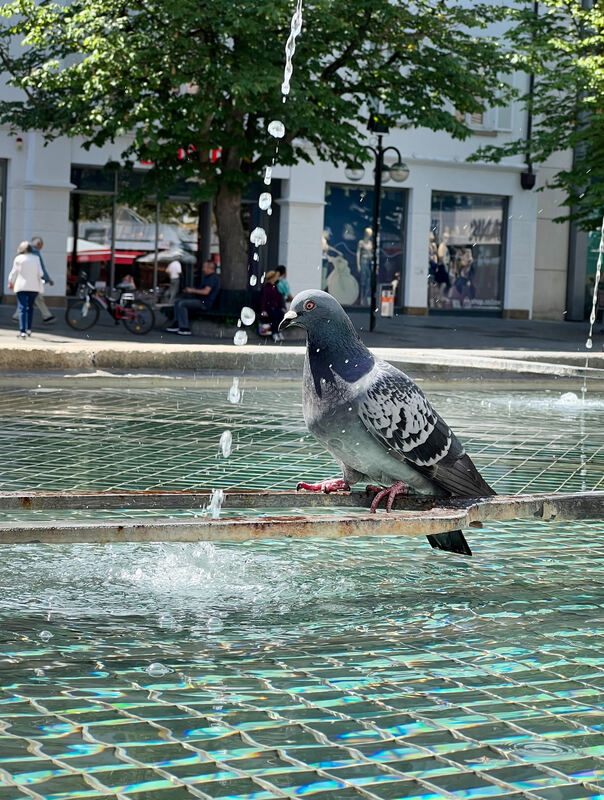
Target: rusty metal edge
x=455, y=514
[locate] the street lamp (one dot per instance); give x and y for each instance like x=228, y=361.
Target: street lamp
x=398, y=171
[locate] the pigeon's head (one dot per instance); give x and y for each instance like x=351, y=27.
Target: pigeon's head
x=313, y=310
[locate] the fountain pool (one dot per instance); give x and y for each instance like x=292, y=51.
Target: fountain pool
x=334, y=669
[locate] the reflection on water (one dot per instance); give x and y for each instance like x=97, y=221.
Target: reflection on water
x=287, y=668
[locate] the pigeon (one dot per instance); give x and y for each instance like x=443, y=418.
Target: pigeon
x=374, y=420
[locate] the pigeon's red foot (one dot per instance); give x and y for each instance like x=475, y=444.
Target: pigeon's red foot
x=330, y=485
x=391, y=493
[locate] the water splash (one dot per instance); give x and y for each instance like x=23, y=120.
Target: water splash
x=215, y=504
x=290, y=49
x=234, y=393
x=276, y=129
x=258, y=237
x=265, y=201
x=226, y=443
x=248, y=315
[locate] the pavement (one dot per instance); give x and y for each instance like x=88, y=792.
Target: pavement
x=457, y=345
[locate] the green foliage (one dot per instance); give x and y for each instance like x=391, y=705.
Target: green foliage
x=100, y=69
x=564, y=48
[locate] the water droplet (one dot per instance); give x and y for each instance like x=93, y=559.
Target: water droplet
x=45, y=635
x=269, y=211
x=346, y=361
x=258, y=237
x=234, y=393
x=265, y=200
x=268, y=175
x=240, y=337
x=253, y=278
x=248, y=315
x=256, y=257
x=276, y=129
x=215, y=504
x=156, y=670
x=589, y=344
x=238, y=323
x=226, y=443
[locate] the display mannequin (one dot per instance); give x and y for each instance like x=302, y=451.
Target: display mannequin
x=364, y=265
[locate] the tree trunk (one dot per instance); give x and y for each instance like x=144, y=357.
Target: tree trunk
x=233, y=245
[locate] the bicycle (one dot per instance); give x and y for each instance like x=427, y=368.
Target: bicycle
x=137, y=316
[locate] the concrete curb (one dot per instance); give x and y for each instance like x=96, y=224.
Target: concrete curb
x=30, y=357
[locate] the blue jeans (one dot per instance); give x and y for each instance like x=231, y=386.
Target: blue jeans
x=182, y=308
x=25, y=301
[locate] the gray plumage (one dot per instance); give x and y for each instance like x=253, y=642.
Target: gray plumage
x=372, y=418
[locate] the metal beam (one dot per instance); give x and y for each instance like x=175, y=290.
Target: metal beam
x=411, y=517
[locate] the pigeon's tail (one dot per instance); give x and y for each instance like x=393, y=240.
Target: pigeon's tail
x=453, y=541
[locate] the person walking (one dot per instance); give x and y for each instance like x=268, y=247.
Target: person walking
x=26, y=279
x=272, y=304
x=37, y=243
x=174, y=271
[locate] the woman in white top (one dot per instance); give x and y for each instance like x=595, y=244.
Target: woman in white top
x=26, y=279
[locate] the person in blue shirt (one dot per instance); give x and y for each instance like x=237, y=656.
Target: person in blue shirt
x=37, y=243
x=202, y=300
x=282, y=283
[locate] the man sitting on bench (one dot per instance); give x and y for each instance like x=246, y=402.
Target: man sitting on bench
x=202, y=300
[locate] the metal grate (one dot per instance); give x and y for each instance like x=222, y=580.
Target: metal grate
x=366, y=668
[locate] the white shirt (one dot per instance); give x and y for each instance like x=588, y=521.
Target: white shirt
x=26, y=274
x=174, y=270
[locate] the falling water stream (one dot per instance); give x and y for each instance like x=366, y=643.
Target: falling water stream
x=594, y=302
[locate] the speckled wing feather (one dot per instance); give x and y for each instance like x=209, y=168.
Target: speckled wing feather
x=398, y=415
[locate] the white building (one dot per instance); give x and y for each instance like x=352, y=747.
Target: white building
x=455, y=237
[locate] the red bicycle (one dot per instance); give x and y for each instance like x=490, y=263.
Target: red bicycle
x=83, y=313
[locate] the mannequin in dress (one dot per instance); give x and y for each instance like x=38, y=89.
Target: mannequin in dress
x=364, y=265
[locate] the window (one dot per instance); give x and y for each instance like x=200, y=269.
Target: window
x=465, y=252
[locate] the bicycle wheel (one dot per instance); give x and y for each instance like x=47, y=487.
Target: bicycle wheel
x=144, y=318
x=81, y=315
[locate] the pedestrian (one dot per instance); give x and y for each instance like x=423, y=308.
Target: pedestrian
x=203, y=300
x=26, y=279
x=272, y=304
x=37, y=243
x=174, y=271
x=283, y=285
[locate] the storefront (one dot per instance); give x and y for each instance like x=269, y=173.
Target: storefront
x=466, y=253
x=347, y=243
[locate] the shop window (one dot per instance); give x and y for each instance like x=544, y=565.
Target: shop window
x=466, y=253
x=348, y=242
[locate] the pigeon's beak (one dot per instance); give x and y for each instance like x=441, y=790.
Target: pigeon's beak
x=288, y=320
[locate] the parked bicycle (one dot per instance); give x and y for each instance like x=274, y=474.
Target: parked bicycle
x=82, y=314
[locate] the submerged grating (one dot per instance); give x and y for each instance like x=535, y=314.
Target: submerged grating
x=336, y=670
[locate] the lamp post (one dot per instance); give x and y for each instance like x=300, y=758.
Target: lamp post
x=399, y=172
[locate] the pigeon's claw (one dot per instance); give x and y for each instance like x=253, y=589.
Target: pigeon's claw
x=330, y=485
x=398, y=488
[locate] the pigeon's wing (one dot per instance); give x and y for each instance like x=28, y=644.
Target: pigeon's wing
x=398, y=415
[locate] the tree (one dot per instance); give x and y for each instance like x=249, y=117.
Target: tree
x=199, y=75
x=561, y=42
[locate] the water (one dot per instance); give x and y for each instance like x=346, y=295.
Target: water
x=258, y=237
x=300, y=666
x=248, y=315
x=240, y=337
x=276, y=129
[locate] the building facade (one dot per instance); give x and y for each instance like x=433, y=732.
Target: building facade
x=455, y=237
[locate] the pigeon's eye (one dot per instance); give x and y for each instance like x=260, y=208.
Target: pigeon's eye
x=309, y=305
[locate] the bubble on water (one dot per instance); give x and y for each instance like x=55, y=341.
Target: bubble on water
x=253, y=278
x=157, y=669
x=215, y=504
x=589, y=344
x=268, y=173
x=568, y=399
x=45, y=635
x=276, y=129
x=226, y=443
x=265, y=200
x=214, y=624
x=258, y=237
x=248, y=315
x=234, y=393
